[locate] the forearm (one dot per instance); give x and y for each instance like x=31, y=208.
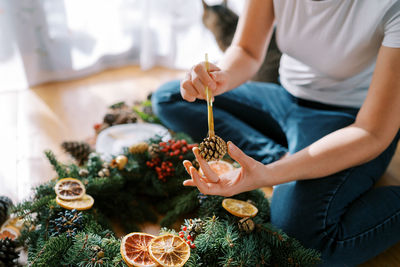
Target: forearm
x=239, y=65
x=247, y=51
x=335, y=152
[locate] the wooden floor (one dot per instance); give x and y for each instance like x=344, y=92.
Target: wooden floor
x=40, y=118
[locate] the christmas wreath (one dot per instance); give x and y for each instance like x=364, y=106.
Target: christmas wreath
x=67, y=221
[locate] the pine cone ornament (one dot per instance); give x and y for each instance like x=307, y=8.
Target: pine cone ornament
x=69, y=221
x=246, y=225
x=212, y=148
x=139, y=148
x=195, y=228
x=8, y=253
x=78, y=150
x=154, y=150
x=5, y=204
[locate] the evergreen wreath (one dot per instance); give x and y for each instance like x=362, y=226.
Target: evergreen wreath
x=139, y=186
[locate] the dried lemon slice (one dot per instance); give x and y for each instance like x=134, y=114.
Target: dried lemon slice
x=85, y=203
x=169, y=250
x=239, y=208
x=69, y=189
x=134, y=250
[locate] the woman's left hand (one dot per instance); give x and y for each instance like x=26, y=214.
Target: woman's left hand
x=251, y=175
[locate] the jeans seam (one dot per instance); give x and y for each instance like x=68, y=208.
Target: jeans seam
x=370, y=230
x=397, y=213
x=348, y=172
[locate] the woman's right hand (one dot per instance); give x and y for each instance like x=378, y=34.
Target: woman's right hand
x=193, y=86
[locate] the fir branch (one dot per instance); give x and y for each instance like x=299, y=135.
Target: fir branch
x=59, y=168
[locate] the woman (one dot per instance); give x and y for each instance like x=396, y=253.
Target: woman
x=336, y=117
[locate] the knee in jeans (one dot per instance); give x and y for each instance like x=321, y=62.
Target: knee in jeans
x=166, y=93
x=292, y=214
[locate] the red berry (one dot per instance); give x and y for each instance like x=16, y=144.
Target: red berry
x=171, y=154
x=188, y=242
x=193, y=245
x=184, y=228
x=181, y=157
x=189, y=237
x=162, y=144
x=184, y=142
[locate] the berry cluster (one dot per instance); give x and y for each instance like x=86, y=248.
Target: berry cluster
x=188, y=237
x=191, y=231
x=69, y=221
x=164, y=169
x=175, y=148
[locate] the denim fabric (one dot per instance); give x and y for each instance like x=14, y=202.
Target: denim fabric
x=341, y=215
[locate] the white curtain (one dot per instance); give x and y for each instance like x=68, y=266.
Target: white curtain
x=47, y=40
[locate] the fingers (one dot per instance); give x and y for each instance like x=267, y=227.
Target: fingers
x=189, y=183
x=187, y=164
x=200, y=71
x=193, y=86
x=238, y=155
x=208, y=172
x=219, y=76
x=187, y=90
x=201, y=185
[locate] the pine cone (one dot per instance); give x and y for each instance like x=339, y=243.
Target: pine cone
x=78, y=150
x=139, y=148
x=246, y=225
x=5, y=204
x=8, y=253
x=154, y=150
x=212, y=148
x=68, y=221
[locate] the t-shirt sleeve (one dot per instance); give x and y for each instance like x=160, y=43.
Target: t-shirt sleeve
x=391, y=26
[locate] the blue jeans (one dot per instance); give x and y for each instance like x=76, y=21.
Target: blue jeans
x=341, y=215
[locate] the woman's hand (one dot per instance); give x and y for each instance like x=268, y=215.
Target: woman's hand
x=250, y=176
x=193, y=86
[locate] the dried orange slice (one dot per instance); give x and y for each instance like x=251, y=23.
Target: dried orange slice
x=239, y=208
x=169, y=250
x=14, y=222
x=10, y=232
x=219, y=167
x=69, y=189
x=134, y=249
x=85, y=203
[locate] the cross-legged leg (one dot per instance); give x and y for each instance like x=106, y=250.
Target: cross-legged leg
x=341, y=215
x=249, y=116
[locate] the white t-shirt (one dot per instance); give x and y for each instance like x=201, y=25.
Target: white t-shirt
x=330, y=47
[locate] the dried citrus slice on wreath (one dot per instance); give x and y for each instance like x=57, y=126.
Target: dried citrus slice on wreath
x=134, y=250
x=10, y=232
x=239, y=208
x=85, y=203
x=219, y=167
x=15, y=222
x=69, y=189
x=169, y=250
